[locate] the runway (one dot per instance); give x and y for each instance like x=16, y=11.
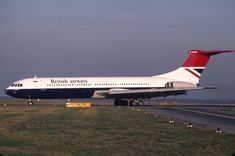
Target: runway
x=209, y=116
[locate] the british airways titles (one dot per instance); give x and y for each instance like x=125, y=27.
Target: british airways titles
x=68, y=81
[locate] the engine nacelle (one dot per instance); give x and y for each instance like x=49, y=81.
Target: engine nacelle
x=179, y=84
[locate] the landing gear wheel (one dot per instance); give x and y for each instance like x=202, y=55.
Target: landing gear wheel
x=136, y=103
x=30, y=103
x=141, y=103
x=131, y=103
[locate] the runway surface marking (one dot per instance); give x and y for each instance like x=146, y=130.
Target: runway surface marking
x=205, y=113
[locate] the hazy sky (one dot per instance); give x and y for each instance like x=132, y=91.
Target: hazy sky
x=115, y=38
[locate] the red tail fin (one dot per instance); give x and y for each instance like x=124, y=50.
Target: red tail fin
x=193, y=67
x=199, y=58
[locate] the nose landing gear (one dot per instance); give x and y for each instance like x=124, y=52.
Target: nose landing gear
x=30, y=103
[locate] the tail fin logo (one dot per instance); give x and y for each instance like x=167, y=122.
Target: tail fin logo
x=195, y=71
x=199, y=70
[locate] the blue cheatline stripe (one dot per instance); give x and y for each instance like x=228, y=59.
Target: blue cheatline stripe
x=57, y=93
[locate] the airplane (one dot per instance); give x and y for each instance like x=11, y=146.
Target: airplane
x=124, y=90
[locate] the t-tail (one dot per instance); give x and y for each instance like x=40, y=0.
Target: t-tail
x=193, y=67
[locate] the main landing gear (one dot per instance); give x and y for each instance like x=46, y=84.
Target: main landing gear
x=136, y=103
x=132, y=102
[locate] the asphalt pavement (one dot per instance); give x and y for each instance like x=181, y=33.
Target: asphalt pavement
x=209, y=116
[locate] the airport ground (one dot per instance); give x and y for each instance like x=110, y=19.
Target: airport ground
x=211, y=116
x=49, y=128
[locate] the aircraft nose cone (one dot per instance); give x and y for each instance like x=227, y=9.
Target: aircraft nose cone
x=5, y=91
x=10, y=92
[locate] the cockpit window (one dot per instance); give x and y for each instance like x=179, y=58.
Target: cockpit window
x=17, y=85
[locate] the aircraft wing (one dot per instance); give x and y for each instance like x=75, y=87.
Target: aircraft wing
x=151, y=93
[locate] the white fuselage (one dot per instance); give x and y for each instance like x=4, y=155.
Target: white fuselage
x=79, y=87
